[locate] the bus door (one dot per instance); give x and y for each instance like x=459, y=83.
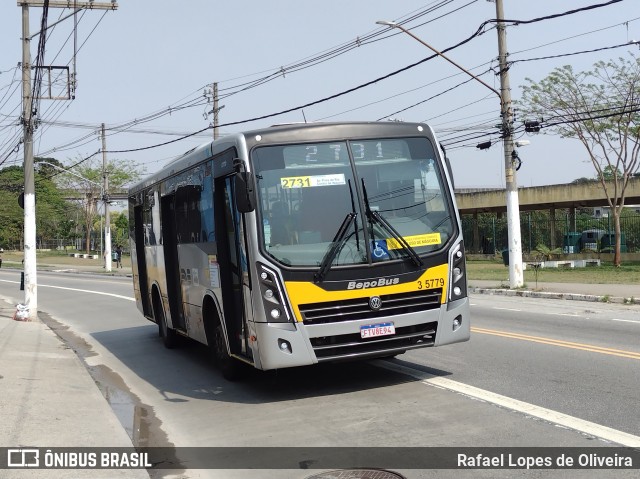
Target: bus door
x=141, y=260
x=232, y=259
x=171, y=266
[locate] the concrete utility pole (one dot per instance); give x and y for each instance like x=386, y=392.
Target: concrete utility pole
x=216, y=133
x=516, y=277
x=105, y=202
x=30, y=278
x=216, y=111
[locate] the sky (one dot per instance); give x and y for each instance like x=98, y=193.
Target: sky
x=143, y=70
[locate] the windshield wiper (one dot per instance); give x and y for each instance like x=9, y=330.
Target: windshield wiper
x=389, y=229
x=336, y=245
x=353, y=209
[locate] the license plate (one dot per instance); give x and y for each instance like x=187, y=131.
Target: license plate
x=375, y=330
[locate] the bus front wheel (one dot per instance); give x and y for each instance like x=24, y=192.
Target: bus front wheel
x=229, y=367
x=168, y=335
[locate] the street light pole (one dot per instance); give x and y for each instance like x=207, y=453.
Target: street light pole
x=513, y=209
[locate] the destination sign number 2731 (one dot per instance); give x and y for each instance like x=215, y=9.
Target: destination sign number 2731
x=430, y=283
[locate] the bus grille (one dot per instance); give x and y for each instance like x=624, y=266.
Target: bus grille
x=346, y=346
x=356, y=309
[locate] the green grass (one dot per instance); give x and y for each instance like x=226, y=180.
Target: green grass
x=605, y=274
x=56, y=258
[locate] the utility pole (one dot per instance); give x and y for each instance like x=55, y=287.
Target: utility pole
x=105, y=202
x=216, y=109
x=516, y=278
x=30, y=277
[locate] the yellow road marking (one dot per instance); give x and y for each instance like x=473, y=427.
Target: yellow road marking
x=558, y=342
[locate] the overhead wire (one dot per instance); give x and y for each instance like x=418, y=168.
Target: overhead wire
x=572, y=37
x=61, y=107
x=514, y=61
x=347, y=91
x=548, y=57
x=425, y=100
x=478, y=32
x=332, y=53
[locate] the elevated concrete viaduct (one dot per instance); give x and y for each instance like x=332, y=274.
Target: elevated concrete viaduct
x=567, y=196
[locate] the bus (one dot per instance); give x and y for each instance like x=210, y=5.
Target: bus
x=303, y=243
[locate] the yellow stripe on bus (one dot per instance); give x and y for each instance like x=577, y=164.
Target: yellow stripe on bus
x=307, y=292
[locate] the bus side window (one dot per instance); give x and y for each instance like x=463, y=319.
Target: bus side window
x=206, y=211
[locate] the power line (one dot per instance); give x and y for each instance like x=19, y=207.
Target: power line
x=478, y=32
x=196, y=102
x=426, y=100
x=574, y=53
x=576, y=36
x=558, y=15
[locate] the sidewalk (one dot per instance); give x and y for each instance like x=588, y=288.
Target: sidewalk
x=49, y=400
x=613, y=293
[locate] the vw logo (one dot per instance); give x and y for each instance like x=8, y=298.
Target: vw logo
x=375, y=303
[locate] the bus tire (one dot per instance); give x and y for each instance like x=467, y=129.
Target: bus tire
x=230, y=367
x=168, y=335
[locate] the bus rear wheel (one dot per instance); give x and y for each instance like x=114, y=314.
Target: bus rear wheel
x=168, y=335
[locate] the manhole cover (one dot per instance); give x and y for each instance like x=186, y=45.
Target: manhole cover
x=357, y=474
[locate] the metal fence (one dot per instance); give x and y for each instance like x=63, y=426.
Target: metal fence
x=488, y=235
x=59, y=244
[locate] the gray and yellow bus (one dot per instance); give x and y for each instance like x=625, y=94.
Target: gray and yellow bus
x=303, y=243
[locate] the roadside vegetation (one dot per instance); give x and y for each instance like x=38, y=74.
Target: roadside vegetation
x=607, y=273
x=13, y=259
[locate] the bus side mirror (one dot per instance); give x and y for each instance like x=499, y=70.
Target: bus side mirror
x=244, y=187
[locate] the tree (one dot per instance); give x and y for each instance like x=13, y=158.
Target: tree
x=51, y=207
x=86, y=180
x=121, y=224
x=11, y=216
x=600, y=108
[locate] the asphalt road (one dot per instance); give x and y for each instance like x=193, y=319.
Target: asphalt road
x=578, y=361
x=574, y=357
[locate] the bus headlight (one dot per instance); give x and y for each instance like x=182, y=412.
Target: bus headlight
x=458, y=276
x=273, y=298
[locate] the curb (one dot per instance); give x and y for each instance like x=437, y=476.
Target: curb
x=550, y=295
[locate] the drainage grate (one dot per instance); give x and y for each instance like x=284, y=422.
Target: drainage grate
x=357, y=474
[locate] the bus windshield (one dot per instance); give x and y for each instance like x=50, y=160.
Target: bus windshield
x=393, y=188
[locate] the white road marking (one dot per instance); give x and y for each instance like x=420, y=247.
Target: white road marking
x=508, y=309
x=625, y=320
x=128, y=298
x=555, y=417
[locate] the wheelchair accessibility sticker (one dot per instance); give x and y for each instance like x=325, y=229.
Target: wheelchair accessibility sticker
x=379, y=250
